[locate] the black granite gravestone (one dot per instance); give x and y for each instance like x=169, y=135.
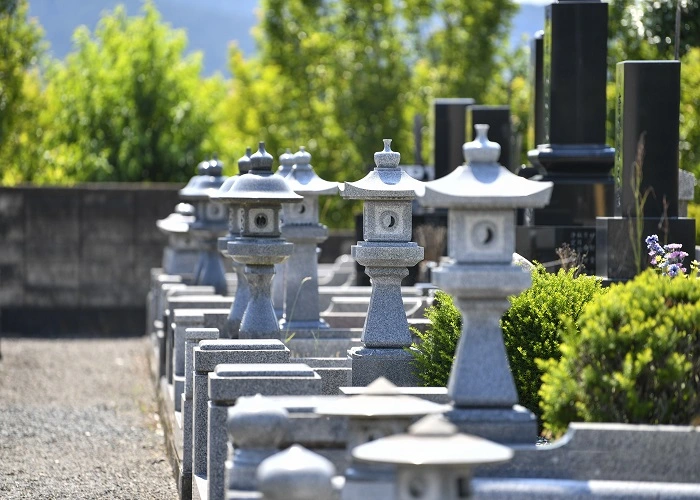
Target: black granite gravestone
x=574, y=155
x=498, y=120
x=537, y=86
x=450, y=116
x=646, y=169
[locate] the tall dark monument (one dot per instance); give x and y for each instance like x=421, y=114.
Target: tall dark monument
x=500, y=130
x=646, y=169
x=449, y=133
x=574, y=155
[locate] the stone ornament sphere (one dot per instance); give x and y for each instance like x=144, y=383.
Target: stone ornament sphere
x=481, y=150
x=256, y=422
x=296, y=474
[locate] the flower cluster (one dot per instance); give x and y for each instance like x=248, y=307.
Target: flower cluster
x=668, y=259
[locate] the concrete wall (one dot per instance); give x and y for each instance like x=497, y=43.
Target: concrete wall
x=89, y=246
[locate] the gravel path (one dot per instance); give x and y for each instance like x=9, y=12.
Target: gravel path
x=78, y=420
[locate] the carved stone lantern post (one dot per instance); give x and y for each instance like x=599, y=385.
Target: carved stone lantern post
x=260, y=246
x=433, y=461
x=180, y=256
x=286, y=160
x=240, y=301
x=301, y=226
x=482, y=197
x=209, y=223
x=386, y=252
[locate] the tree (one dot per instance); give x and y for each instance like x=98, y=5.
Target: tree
x=20, y=50
x=126, y=105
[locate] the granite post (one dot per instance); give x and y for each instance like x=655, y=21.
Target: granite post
x=260, y=247
x=256, y=428
x=646, y=170
x=240, y=302
x=286, y=160
x=301, y=227
x=573, y=155
x=209, y=223
x=386, y=252
x=433, y=460
x=180, y=256
x=481, y=197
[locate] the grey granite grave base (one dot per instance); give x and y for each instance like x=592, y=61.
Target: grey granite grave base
x=369, y=364
x=536, y=489
x=227, y=383
x=509, y=426
x=170, y=430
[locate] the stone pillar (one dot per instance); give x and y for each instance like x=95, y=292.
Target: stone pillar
x=209, y=224
x=646, y=166
x=260, y=247
x=573, y=154
x=482, y=197
x=386, y=252
x=286, y=160
x=380, y=411
x=433, y=461
x=296, y=474
x=256, y=428
x=180, y=256
x=301, y=226
x=242, y=297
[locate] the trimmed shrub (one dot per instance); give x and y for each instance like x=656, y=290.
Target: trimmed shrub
x=636, y=358
x=530, y=329
x=433, y=356
x=532, y=323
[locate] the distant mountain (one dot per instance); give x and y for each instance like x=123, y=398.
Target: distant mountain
x=210, y=24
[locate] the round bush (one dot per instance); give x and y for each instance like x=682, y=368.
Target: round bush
x=532, y=323
x=636, y=358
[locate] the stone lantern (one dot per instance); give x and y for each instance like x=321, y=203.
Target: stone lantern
x=180, y=256
x=296, y=474
x=261, y=194
x=209, y=223
x=286, y=160
x=240, y=302
x=433, y=461
x=482, y=198
x=381, y=410
x=386, y=252
x=301, y=226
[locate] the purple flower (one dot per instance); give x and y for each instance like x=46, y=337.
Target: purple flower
x=672, y=246
x=673, y=270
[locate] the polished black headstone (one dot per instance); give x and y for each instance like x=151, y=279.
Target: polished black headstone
x=498, y=120
x=450, y=119
x=648, y=103
x=537, y=87
x=575, y=66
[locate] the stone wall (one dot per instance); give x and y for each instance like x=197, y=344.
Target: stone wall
x=86, y=248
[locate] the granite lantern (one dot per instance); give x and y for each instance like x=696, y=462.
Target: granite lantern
x=256, y=427
x=286, y=160
x=260, y=246
x=240, y=301
x=433, y=461
x=386, y=252
x=180, y=256
x=209, y=223
x=296, y=474
x=381, y=410
x=482, y=198
x=301, y=226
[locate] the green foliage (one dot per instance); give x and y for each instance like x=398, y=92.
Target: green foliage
x=690, y=120
x=634, y=358
x=433, y=356
x=20, y=49
x=532, y=323
x=694, y=213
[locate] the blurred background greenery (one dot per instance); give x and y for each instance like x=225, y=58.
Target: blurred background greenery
x=129, y=102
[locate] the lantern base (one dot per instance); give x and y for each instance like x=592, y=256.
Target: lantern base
x=508, y=426
x=394, y=364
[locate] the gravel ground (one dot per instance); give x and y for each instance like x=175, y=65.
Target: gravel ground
x=78, y=419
